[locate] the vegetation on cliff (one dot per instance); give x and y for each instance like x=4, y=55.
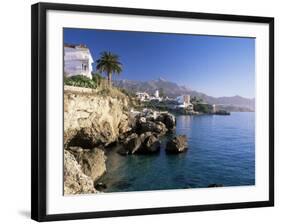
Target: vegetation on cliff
x=81, y=81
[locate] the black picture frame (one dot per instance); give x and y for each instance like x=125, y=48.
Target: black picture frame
x=39, y=122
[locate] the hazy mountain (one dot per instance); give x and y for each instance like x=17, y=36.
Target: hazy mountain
x=169, y=88
x=172, y=89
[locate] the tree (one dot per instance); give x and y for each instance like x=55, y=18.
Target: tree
x=196, y=100
x=203, y=108
x=110, y=64
x=97, y=78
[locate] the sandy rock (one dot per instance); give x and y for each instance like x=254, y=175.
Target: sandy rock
x=90, y=120
x=177, y=145
x=92, y=162
x=75, y=181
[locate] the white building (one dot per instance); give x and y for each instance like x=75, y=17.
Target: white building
x=142, y=96
x=214, y=108
x=184, y=102
x=77, y=60
x=156, y=94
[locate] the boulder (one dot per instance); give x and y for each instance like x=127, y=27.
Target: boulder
x=92, y=162
x=151, y=126
x=160, y=118
x=123, y=137
x=150, y=144
x=142, y=119
x=130, y=144
x=177, y=145
x=145, y=126
x=153, y=121
x=160, y=128
x=75, y=149
x=144, y=135
x=169, y=121
x=144, y=143
x=75, y=181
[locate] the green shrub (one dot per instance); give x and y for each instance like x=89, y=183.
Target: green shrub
x=203, y=108
x=81, y=81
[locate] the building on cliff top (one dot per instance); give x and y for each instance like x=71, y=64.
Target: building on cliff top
x=77, y=60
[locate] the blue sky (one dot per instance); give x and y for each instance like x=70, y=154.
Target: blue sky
x=217, y=66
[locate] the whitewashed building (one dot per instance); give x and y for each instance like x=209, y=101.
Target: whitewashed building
x=156, y=94
x=77, y=60
x=214, y=108
x=142, y=96
x=184, y=102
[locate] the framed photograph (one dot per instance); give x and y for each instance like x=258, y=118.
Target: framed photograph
x=139, y=111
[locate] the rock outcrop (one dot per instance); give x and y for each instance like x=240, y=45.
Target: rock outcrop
x=152, y=121
x=91, y=120
x=82, y=168
x=151, y=126
x=168, y=119
x=92, y=161
x=150, y=144
x=177, y=145
x=132, y=143
x=145, y=143
x=148, y=126
x=75, y=181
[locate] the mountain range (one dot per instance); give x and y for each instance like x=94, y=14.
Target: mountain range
x=171, y=89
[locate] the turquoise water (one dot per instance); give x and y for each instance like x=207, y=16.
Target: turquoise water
x=221, y=151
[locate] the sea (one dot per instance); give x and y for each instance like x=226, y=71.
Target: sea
x=221, y=151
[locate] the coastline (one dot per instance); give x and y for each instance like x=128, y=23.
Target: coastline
x=96, y=122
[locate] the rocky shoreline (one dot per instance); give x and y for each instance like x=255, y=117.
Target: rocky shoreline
x=93, y=123
x=82, y=168
x=149, y=126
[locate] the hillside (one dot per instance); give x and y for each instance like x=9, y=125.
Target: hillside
x=171, y=89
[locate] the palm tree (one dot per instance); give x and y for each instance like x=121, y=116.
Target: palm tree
x=110, y=64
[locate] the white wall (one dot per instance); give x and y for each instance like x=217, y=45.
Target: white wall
x=15, y=110
x=73, y=60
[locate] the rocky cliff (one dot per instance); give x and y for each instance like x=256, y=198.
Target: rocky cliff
x=75, y=181
x=94, y=119
x=91, y=119
x=82, y=168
